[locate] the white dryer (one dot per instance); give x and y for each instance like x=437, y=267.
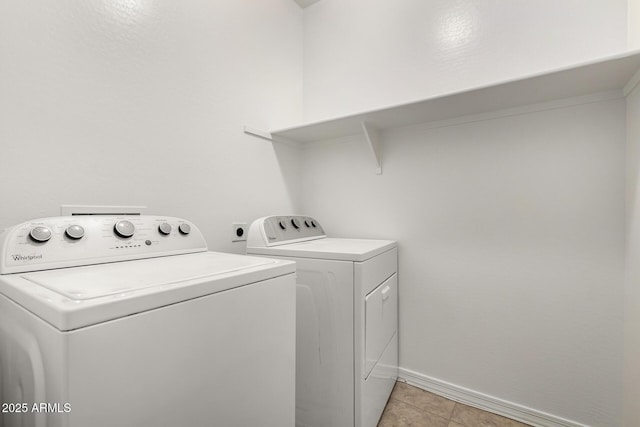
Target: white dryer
x=130, y=321
x=347, y=318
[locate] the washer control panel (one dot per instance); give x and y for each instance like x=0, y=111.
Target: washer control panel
x=279, y=230
x=71, y=241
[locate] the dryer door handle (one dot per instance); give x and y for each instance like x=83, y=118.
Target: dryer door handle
x=385, y=292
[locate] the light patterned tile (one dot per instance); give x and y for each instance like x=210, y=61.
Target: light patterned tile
x=474, y=417
x=424, y=400
x=454, y=424
x=400, y=414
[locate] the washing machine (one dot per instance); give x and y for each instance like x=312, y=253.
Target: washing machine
x=347, y=318
x=131, y=321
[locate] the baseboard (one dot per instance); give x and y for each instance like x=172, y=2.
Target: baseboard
x=484, y=401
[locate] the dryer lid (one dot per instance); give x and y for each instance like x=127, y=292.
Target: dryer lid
x=329, y=248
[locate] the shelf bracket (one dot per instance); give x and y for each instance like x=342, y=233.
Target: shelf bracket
x=372, y=135
x=257, y=132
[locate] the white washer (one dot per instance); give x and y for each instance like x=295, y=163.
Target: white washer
x=130, y=321
x=347, y=317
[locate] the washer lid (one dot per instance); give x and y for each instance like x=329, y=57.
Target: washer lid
x=71, y=298
x=329, y=248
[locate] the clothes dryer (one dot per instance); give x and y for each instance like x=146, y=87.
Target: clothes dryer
x=130, y=321
x=347, y=318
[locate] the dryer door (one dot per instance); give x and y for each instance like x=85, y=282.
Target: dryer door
x=381, y=320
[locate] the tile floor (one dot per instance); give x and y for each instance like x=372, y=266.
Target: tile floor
x=411, y=406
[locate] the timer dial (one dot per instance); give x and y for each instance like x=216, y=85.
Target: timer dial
x=184, y=228
x=40, y=234
x=296, y=223
x=124, y=228
x=164, y=228
x=74, y=232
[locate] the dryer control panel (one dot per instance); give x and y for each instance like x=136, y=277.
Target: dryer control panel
x=72, y=241
x=279, y=230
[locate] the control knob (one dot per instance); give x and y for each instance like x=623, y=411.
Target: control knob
x=40, y=234
x=75, y=232
x=184, y=228
x=164, y=228
x=282, y=224
x=296, y=223
x=124, y=228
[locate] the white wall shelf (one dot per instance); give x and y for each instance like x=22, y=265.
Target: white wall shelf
x=605, y=75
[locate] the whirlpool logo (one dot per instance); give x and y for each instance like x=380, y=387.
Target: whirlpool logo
x=27, y=258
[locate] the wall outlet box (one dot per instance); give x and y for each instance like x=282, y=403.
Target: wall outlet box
x=238, y=231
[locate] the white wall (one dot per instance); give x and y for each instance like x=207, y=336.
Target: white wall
x=142, y=103
x=634, y=24
x=511, y=235
x=511, y=230
x=364, y=54
x=632, y=282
